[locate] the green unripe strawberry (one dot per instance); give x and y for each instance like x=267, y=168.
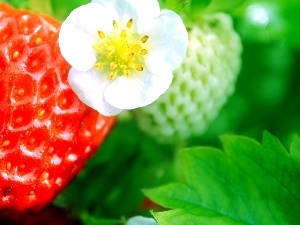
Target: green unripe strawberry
x=201, y=85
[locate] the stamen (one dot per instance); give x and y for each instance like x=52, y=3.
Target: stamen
x=136, y=48
x=130, y=55
x=101, y=34
x=99, y=65
x=126, y=72
x=123, y=34
x=97, y=48
x=122, y=50
x=144, y=51
x=139, y=67
x=115, y=24
x=129, y=23
x=112, y=75
x=113, y=65
x=144, y=39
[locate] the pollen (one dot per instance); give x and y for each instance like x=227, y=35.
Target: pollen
x=139, y=67
x=123, y=34
x=144, y=52
x=101, y=34
x=122, y=51
x=113, y=65
x=144, y=39
x=129, y=23
x=115, y=24
x=99, y=65
x=127, y=72
x=112, y=75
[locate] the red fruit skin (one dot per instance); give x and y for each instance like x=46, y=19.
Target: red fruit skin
x=46, y=133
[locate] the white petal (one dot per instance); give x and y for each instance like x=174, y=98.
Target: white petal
x=145, y=8
x=77, y=51
x=94, y=16
x=168, y=40
x=89, y=87
x=136, y=9
x=79, y=32
x=137, y=90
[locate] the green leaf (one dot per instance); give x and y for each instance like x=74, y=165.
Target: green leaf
x=193, y=216
x=247, y=183
x=174, y=196
x=295, y=153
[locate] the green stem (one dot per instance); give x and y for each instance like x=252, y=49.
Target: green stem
x=41, y=6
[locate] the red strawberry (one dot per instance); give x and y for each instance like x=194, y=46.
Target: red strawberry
x=46, y=133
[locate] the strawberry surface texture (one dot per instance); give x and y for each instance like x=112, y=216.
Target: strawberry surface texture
x=46, y=133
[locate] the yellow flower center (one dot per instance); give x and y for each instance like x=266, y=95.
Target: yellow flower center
x=120, y=51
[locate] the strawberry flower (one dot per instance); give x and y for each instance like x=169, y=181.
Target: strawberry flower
x=122, y=52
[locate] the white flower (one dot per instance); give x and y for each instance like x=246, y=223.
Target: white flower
x=122, y=52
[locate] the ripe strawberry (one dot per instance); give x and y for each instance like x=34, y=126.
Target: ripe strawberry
x=46, y=133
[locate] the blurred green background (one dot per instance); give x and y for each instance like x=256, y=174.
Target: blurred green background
x=267, y=97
